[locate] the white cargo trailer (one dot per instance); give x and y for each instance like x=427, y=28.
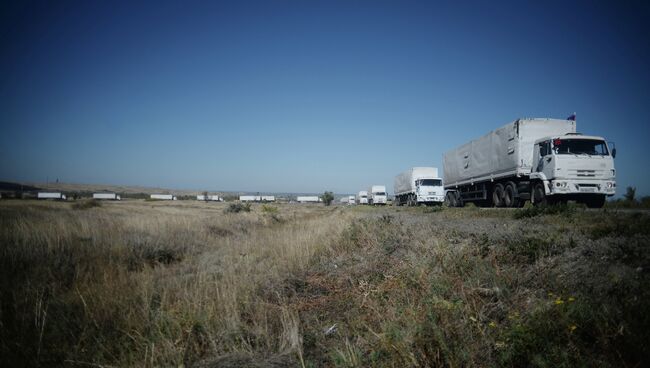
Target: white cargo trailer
x=51, y=195
x=362, y=197
x=377, y=195
x=344, y=200
x=163, y=197
x=107, y=196
x=308, y=199
x=543, y=160
x=210, y=197
x=419, y=185
x=250, y=198
x=268, y=198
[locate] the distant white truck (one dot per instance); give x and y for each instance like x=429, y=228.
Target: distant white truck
x=308, y=199
x=419, y=185
x=542, y=160
x=51, y=195
x=352, y=200
x=107, y=196
x=377, y=195
x=210, y=197
x=257, y=198
x=362, y=197
x=163, y=197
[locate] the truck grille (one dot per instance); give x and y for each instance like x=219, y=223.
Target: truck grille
x=587, y=173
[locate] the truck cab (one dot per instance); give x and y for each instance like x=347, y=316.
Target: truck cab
x=377, y=195
x=573, y=167
x=362, y=197
x=429, y=191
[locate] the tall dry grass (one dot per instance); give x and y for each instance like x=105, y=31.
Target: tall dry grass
x=150, y=284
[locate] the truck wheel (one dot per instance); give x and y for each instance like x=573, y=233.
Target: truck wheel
x=497, y=195
x=510, y=198
x=458, y=200
x=539, y=196
x=596, y=201
x=411, y=201
x=450, y=200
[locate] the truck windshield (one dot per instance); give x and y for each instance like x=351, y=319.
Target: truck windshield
x=431, y=182
x=580, y=146
x=380, y=193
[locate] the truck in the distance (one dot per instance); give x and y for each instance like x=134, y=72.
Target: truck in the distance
x=418, y=185
x=377, y=195
x=362, y=197
x=542, y=160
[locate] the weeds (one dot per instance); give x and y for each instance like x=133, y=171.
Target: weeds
x=86, y=204
x=566, y=210
x=238, y=207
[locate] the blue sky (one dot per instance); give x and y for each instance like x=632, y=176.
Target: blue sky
x=306, y=96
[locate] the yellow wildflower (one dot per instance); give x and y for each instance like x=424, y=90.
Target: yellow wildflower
x=572, y=328
x=493, y=324
x=559, y=301
x=571, y=299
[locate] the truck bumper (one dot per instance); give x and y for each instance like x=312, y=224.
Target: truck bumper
x=431, y=199
x=580, y=186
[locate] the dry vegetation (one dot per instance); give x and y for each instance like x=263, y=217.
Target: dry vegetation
x=197, y=284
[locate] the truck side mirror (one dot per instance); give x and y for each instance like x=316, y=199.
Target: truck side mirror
x=614, y=153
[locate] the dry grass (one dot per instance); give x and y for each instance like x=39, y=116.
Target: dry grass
x=141, y=283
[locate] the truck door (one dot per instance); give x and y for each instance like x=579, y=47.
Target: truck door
x=545, y=158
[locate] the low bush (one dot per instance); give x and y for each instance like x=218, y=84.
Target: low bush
x=238, y=207
x=86, y=204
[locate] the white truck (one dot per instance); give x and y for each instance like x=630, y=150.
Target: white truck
x=377, y=195
x=362, y=197
x=210, y=197
x=542, y=160
x=308, y=199
x=163, y=197
x=352, y=200
x=419, y=185
x=51, y=195
x=108, y=196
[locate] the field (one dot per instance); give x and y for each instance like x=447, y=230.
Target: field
x=142, y=283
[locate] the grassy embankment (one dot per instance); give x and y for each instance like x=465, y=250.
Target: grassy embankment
x=150, y=284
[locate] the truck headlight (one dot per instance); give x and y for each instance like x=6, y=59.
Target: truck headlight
x=610, y=185
x=560, y=184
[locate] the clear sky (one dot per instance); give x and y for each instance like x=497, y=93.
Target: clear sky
x=306, y=96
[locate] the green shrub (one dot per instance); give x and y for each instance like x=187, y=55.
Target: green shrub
x=238, y=207
x=266, y=208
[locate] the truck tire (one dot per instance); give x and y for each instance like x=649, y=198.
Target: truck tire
x=458, y=200
x=497, y=195
x=450, y=200
x=510, y=196
x=539, y=196
x=597, y=201
x=412, y=202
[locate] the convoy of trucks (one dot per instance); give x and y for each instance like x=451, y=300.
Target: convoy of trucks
x=418, y=185
x=541, y=160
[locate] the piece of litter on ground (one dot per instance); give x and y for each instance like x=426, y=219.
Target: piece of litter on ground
x=330, y=330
